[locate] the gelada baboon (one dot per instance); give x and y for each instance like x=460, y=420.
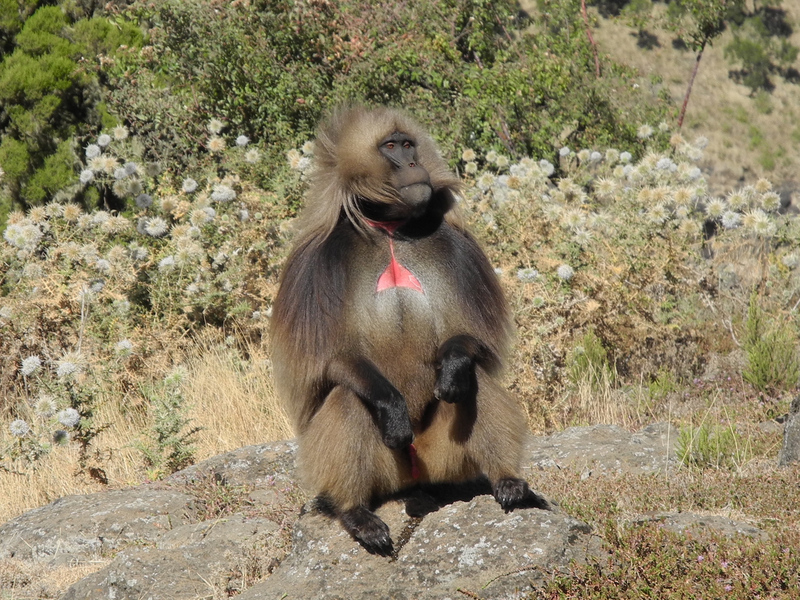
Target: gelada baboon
x=389, y=327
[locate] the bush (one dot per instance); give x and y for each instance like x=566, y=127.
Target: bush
x=772, y=363
x=469, y=68
x=50, y=91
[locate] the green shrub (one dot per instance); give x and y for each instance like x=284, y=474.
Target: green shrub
x=50, y=91
x=469, y=69
x=772, y=362
x=589, y=362
x=169, y=447
x=711, y=446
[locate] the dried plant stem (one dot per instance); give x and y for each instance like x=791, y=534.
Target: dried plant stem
x=591, y=39
x=689, y=88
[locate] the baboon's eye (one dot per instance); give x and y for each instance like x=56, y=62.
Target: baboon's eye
x=407, y=145
x=390, y=145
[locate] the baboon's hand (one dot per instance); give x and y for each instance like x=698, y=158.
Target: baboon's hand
x=393, y=420
x=455, y=380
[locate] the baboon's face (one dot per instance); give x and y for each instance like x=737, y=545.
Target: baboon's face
x=411, y=180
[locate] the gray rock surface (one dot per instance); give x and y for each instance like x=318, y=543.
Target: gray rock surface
x=699, y=525
x=223, y=527
x=191, y=561
x=472, y=546
x=78, y=528
x=605, y=449
x=790, y=451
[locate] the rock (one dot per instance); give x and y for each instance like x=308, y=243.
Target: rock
x=470, y=546
x=699, y=525
x=790, y=451
x=77, y=528
x=168, y=540
x=192, y=561
x=249, y=465
x=605, y=449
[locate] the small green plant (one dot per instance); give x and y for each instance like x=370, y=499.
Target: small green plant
x=663, y=384
x=710, y=446
x=772, y=363
x=216, y=497
x=170, y=446
x=589, y=362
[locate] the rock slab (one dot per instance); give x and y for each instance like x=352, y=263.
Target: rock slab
x=470, y=546
x=790, y=451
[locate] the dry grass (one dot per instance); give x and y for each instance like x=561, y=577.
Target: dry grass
x=233, y=400
x=743, y=133
x=31, y=580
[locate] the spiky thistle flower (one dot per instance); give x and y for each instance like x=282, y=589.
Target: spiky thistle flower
x=658, y=214
x=70, y=364
x=564, y=152
x=189, y=185
x=644, y=132
x=19, y=428
x=252, y=156
x=223, y=193
x=120, y=132
x=30, y=365
x=215, y=126
x=731, y=219
x=771, y=201
x=565, y=272
x=468, y=155
x=123, y=348
x=308, y=148
x=759, y=223
x=502, y=161
x=103, y=140
x=547, y=167
x=69, y=417
x=45, y=406
x=144, y=200
x=572, y=218
x=737, y=200
x=689, y=228
x=491, y=157
x=86, y=176
x=605, y=187
x=715, y=208
x=762, y=186
x=528, y=274
x=156, y=227
x=625, y=157
x=216, y=144
x=166, y=264
x=242, y=141
x=293, y=156
x=92, y=151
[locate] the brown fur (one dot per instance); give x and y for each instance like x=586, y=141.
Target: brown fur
x=328, y=317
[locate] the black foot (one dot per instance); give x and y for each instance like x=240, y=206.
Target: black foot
x=514, y=493
x=367, y=527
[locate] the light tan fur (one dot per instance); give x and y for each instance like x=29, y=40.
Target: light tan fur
x=328, y=310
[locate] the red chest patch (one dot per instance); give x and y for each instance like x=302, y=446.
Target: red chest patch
x=395, y=274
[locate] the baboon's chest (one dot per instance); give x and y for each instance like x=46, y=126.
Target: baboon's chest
x=399, y=299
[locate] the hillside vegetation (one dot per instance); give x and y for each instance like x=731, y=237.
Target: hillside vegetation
x=150, y=186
